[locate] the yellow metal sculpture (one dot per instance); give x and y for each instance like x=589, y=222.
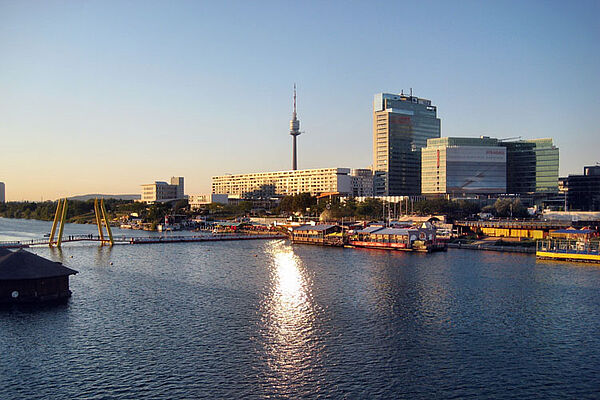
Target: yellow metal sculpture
x=61, y=215
x=100, y=211
x=61, y=212
x=98, y=220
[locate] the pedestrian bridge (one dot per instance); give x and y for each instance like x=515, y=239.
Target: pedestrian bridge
x=19, y=244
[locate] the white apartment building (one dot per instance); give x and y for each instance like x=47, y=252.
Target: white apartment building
x=196, y=201
x=284, y=183
x=161, y=191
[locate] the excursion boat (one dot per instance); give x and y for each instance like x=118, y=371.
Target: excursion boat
x=420, y=239
x=568, y=250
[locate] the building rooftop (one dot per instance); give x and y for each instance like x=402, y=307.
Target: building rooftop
x=575, y=231
x=370, y=229
x=338, y=170
x=392, y=231
x=379, y=101
x=314, y=227
x=22, y=265
x=462, y=141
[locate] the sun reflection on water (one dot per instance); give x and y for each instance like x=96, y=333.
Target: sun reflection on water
x=289, y=318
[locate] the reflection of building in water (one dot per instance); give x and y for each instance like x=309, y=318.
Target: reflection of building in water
x=289, y=313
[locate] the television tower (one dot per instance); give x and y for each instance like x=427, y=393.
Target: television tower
x=294, y=131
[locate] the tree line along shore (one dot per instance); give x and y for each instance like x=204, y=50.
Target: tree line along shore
x=302, y=204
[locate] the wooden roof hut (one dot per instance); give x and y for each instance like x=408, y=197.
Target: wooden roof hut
x=28, y=278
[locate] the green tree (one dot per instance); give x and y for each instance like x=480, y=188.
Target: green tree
x=302, y=201
x=371, y=208
x=510, y=208
x=180, y=206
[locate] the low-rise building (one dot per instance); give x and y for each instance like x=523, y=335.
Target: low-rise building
x=160, y=191
x=196, y=201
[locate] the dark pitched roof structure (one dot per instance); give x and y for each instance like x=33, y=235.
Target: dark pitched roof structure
x=391, y=231
x=21, y=265
x=370, y=229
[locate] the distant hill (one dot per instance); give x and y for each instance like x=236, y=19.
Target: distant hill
x=86, y=197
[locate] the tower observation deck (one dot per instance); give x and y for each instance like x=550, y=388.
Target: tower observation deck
x=294, y=131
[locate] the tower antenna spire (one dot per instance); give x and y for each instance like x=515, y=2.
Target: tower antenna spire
x=294, y=131
x=294, y=100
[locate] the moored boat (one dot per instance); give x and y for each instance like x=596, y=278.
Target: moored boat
x=419, y=239
x=569, y=250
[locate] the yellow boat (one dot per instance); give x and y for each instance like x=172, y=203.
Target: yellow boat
x=568, y=250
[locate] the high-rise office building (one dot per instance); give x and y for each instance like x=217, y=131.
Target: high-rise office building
x=2, y=195
x=532, y=166
x=461, y=165
x=401, y=126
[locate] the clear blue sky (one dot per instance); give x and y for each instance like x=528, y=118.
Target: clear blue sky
x=100, y=96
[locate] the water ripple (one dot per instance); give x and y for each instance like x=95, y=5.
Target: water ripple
x=211, y=320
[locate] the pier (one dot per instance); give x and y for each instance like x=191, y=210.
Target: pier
x=19, y=244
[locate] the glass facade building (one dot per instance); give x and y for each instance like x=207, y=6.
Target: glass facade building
x=458, y=166
x=402, y=124
x=532, y=166
x=583, y=191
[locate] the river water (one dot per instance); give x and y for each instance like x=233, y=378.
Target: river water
x=265, y=319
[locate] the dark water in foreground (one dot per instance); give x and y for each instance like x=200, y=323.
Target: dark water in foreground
x=259, y=319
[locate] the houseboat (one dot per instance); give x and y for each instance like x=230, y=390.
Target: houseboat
x=324, y=235
x=420, y=239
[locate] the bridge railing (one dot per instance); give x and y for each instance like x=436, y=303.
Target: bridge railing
x=137, y=239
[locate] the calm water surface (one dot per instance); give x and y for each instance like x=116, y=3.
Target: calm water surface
x=264, y=319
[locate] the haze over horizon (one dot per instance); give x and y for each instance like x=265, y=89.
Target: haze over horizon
x=101, y=97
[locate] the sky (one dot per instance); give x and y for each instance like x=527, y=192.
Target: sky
x=103, y=96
